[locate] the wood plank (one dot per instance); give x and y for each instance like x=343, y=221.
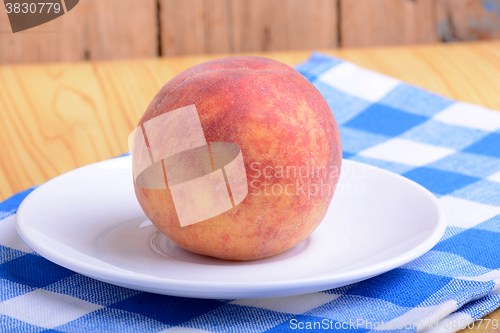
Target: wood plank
x=251, y=26
x=319, y=30
x=387, y=22
x=286, y=25
x=229, y=26
x=93, y=30
x=465, y=20
x=447, y=69
x=219, y=34
x=182, y=27
x=115, y=29
x=57, y=117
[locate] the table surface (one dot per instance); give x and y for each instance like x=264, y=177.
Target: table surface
x=57, y=117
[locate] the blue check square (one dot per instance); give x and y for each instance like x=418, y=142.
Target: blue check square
x=489, y=146
x=470, y=290
x=169, y=310
x=343, y=106
x=479, y=247
x=388, y=286
x=478, y=308
x=78, y=286
x=246, y=318
x=33, y=270
x=439, y=181
x=468, y=164
x=436, y=133
x=398, y=168
x=483, y=191
x=415, y=100
x=347, y=154
x=492, y=224
x=367, y=308
x=384, y=120
x=354, y=141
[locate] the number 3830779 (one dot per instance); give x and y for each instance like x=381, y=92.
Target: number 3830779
x=24, y=8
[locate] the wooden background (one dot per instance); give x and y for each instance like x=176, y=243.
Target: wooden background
x=57, y=117
x=114, y=29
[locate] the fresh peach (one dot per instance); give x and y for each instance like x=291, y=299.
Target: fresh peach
x=290, y=145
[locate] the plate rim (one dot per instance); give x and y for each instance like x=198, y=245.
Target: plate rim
x=183, y=288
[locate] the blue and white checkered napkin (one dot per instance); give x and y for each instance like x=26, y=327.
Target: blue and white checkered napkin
x=451, y=148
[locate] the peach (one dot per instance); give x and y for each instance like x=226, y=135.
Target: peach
x=291, y=154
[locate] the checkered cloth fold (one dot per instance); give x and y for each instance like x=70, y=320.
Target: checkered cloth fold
x=451, y=148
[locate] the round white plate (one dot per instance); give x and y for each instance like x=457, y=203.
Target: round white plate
x=88, y=220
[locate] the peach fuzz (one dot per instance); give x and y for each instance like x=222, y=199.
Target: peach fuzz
x=281, y=123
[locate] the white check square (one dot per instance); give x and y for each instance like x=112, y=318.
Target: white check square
x=9, y=236
x=359, y=82
x=411, y=318
x=291, y=304
x=495, y=177
x=471, y=116
x=46, y=309
x=466, y=214
x=407, y=152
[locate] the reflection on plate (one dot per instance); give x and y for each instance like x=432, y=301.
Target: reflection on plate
x=88, y=220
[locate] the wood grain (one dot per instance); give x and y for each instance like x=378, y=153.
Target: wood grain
x=115, y=29
x=232, y=26
x=57, y=117
x=463, y=20
x=94, y=29
x=175, y=16
x=394, y=22
x=387, y=22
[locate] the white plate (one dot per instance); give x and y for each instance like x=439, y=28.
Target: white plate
x=88, y=220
